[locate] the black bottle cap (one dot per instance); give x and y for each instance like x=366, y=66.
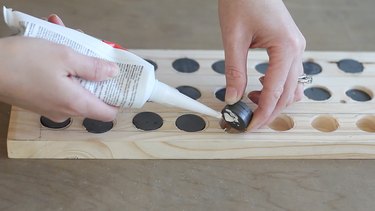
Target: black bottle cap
x=238, y=115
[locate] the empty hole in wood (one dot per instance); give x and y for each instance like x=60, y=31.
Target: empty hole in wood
x=55, y=125
x=190, y=91
x=360, y=94
x=190, y=123
x=219, y=66
x=350, y=66
x=147, y=121
x=153, y=63
x=282, y=123
x=185, y=65
x=317, y=93
x=262, y=67
x=366, y=123
x=96, y=126
x=220, y=94
x=325, y=123
x=311, y=68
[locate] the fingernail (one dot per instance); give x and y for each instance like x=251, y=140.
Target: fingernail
x=114, y=70
x=231, y=95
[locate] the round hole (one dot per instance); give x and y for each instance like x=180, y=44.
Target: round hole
x=185, y=65
x=317, y=93
x=190, y=123
x=153, y=63
x=325, y=123
x=96, y=126
x=190, y=92
x=350, y=66
x=219, y=66
x=54, y=125
x=262, y=67
x=311, y=68
x=220, y=94
x=367, y=123
x=358, y=95
x=282, y=123
x=147, y=121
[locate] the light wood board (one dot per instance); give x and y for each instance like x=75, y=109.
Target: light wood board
x=352, y=123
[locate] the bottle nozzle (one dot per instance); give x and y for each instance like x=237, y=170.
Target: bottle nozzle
x=167, y=95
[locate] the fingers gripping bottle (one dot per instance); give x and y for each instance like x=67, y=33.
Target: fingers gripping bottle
x=132, y=87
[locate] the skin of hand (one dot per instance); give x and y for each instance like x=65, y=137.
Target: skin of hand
x=40, y=76
x=263, y=24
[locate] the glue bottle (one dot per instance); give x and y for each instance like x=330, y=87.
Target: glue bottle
x=131, y=88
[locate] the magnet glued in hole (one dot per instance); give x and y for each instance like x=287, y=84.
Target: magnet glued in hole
x=153, y=63
x=350, y=66
x=219, y=66
x=311, y=68
x=147, y=121
x=54, y=125
x=190, y=123
x=238, y=115
x=190, y=92
x=358, y=95
x=262, y=67
x=96, y=126
x=185, y=65
x=220, y=94
x=317, y=93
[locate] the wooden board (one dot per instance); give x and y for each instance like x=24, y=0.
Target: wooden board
x=337, y=128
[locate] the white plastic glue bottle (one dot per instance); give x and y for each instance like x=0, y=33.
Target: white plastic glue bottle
x=131, y=88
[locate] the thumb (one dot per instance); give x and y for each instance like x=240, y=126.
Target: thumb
x=92, y=68
x=235, y=72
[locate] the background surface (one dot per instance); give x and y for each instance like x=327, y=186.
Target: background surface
x=335, y=25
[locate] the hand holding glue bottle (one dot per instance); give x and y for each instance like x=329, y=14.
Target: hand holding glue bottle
x=131, y=88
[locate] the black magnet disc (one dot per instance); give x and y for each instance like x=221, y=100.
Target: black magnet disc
x=54, y=125
x=219, y=66
x=350, y=66
x=262, y=67
x=358, y=95
x=153, y=63
x=96, y=126
x=190, y=91
x=220, y=94
x=317, y=93
x=311, y=68
x=238, y=115
x=185, y=65
x=190, y=123
x=147, y=121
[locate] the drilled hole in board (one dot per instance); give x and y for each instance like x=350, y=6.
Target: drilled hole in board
x=366, y=123
x=147, y=121
x=219, y=66
x=153, y=63
x=350, y=66
x=262, y=67
x=190, y=123
x=185, y=65
x=282, y=123
x=220, y=94
x=55, y=125
x=311, y=68
x=359, y=94
x=96, y=126
x=325, y=123
x=317, y=93
x=190, y=91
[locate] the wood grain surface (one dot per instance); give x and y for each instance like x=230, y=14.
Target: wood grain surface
x=303, y=185
x=307, y=129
